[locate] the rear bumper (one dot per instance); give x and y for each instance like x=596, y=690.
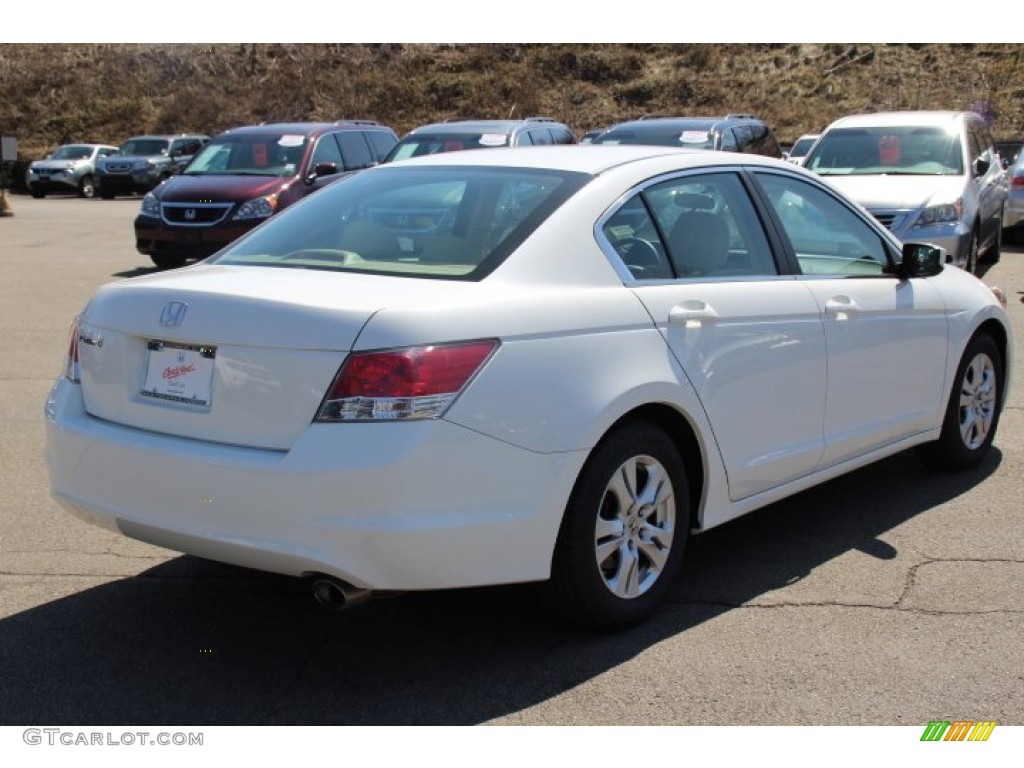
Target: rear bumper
x=419, y=505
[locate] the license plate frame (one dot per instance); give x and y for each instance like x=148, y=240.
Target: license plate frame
x=179, y=373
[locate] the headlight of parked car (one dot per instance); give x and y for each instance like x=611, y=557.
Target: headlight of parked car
x=150, y=205
x=940, y=214
x=257, y=208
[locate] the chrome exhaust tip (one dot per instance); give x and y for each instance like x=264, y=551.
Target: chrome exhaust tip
x=336, y=595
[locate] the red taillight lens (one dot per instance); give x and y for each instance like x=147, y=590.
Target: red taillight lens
x=418, y=382
x=1017, y=180
x=71, y=369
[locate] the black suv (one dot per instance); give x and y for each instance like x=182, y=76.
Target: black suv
x=144, y=161
x=732, y=133
x=481, y=134
x=244, y=176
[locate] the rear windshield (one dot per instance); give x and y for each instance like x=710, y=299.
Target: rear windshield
x=800, y=148
x=145, y=147
x=894, y=151
x=438, y=222
x=271, y=154
x=431, y=144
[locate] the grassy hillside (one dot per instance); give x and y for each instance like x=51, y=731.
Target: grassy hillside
x=51, y=94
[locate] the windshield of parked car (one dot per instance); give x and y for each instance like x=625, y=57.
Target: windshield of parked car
x=145, y=147
x=72, y=152
x=264, y=154
x=901, y=150
x=801, y=147
x=695, y=138
x=431, y=144
x=439, y=222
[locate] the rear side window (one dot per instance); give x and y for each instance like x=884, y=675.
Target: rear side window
x=691, y=227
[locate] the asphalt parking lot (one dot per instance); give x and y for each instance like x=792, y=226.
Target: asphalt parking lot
x=891, y=596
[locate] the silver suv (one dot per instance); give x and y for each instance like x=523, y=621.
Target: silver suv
x=71, y=169
x=145, y=161
x=932, y=177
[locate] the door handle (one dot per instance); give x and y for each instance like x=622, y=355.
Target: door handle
x=691, y=314
x=841, y=307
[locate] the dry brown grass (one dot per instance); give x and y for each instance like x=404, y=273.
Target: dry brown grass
x=51, y=94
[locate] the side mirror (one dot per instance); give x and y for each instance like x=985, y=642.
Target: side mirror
x=323, y=169
x=922, y=260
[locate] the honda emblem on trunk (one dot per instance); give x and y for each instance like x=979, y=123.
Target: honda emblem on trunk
x=173, y=314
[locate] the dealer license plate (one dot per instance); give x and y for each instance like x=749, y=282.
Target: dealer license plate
x=182, y=373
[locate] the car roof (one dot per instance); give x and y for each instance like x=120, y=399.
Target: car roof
x=692, y=123
x=894, y=119
x=168, y=136
x=306, y=127
x=591, y=159
x=482, y=126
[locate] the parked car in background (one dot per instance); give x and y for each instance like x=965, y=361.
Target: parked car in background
x=732, y=133
x=70, y=169
x=481, y=134
x=1009, y=151
x=520, y=365
x=144, y=161
x=927, y=176
x=592, y=134
x=800, y=148
x=1013, y=216
x=246, y=175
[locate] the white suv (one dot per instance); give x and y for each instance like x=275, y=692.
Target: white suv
x=930, y=177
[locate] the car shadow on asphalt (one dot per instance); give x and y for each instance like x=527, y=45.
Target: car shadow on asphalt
x=192, y=642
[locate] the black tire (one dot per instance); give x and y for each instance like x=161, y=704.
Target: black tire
x=37, y=194
x=971, y=265
x=163, y=261
x=87, y=187
x=972, y=414
x=614, y=563
x=994, y=252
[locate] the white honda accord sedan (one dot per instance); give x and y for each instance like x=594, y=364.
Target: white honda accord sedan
x=533, y=365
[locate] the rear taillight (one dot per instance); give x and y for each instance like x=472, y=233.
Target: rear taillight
x=71, y=368
x=1017, y=180
x=402, y=384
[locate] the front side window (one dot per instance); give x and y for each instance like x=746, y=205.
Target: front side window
x=447, y=222
x=827, y=237
x=355, y=150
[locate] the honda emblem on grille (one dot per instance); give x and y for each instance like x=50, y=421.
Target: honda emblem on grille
x=173, y=314
x=190, y=214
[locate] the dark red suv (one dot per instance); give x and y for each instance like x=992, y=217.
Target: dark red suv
x=246, y=175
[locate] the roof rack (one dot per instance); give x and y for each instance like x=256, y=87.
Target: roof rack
x=540, y=119
x=740, y=116
x=654, y=117
x=356, y=122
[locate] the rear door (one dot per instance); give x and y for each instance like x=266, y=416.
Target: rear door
x=749, y=339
